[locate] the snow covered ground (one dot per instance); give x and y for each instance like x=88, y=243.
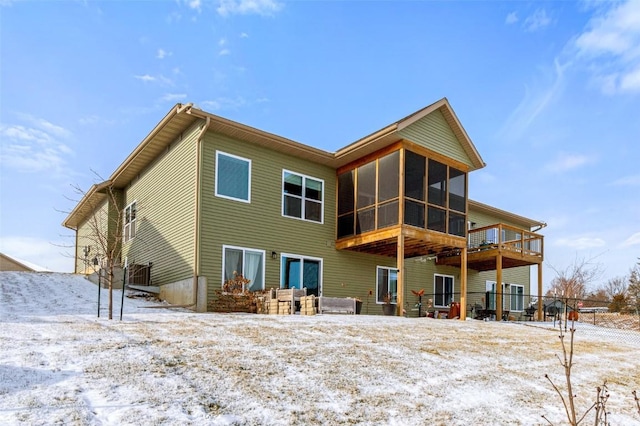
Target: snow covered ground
x=60, y=364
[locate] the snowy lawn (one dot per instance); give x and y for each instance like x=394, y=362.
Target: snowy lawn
x=59, y=364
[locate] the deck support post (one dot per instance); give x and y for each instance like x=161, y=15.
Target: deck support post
x=540, y=301
x=463, y=284
x=400, y=266
x=499, y=287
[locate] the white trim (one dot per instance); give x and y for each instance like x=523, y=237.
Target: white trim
x=244, y=252
x=248, y=200
x=388, y=268
x=506, y=295
x=453, y=289
x=302, y=197
x=303, y=258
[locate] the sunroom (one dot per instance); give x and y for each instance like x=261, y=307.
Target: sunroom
x=403, y=201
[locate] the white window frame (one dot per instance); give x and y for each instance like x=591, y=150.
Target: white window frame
x=301, y=278
x=515, y=297
x=394, y=296
x=491, y=287
x=128, y=226
x=228, y=197
x=302, y=197
x=435, y=293
x=244, y=253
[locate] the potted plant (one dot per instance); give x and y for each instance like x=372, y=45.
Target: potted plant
x=388, y=308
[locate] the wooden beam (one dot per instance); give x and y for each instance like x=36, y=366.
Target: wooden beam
x=463, y=284
x=400, y=266
x=370, y=157
x=368, y=238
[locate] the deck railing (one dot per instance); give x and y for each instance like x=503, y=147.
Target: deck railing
x=505, y=237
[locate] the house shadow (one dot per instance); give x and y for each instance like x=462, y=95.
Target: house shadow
x=163, y=266
x=17, y=379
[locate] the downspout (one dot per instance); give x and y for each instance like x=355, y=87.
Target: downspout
x=196, y=222
x=75, y=254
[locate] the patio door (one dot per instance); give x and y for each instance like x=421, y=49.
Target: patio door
x=490, y=302
x=301, y=272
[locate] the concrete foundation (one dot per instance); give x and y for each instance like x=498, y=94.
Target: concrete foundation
x=181, y=293
x=117, y=278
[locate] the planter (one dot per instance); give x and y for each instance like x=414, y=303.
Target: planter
x=388, y=310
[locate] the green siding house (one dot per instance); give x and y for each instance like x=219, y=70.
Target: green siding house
x=203, y=197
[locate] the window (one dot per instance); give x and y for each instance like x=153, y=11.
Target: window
x=415, y=167
x=507, y=298
x=301, y=272
x=517, y=297
x=233, y=177
x=437, y=183
x=457, y=190
x=302, y=197
x=346, y=203
x=442, y=290
x=434, y=195
x=247, y=262
x=386, y=284
x=130, y=213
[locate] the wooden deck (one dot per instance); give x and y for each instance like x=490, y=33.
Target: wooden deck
x=513, y=246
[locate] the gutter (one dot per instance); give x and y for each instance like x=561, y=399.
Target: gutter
x=542, y=225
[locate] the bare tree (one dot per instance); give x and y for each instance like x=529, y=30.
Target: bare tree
x=574, y=280
x=568, y=395
x=633, y=289
x=103, y=230
x=616, y=286
x=596, y=298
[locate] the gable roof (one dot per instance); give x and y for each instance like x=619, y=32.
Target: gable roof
x=525, y=222
x=391, y=133
x=182, y=116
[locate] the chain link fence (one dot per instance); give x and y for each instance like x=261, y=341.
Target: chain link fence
x=617, y=316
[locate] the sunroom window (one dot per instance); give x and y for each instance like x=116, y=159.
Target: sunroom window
x=435, y=195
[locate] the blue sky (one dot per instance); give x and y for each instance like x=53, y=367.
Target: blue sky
x=548, y=91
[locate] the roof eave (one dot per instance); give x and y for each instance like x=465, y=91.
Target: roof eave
x=494, y=211
x=93, y=197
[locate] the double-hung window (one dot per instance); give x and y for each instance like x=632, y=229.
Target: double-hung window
x=302, y=196
x=442, y=290
x=386, y=285
x=233, y=177
x=246, y=262
x=130, y=213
